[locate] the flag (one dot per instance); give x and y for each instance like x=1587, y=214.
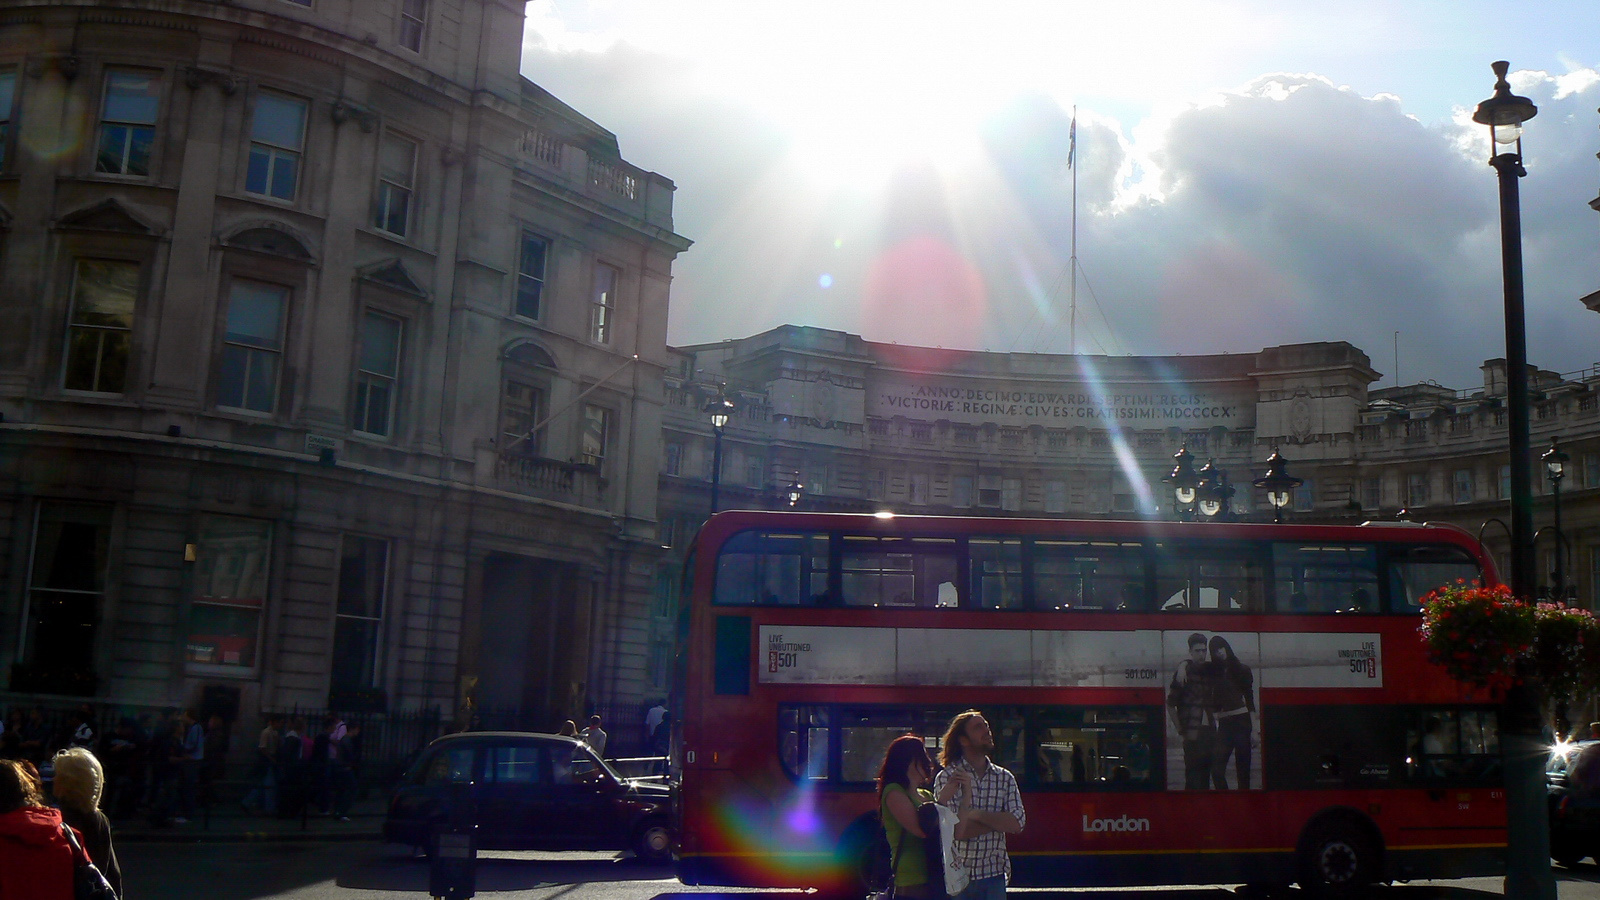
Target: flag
x=1072, y=139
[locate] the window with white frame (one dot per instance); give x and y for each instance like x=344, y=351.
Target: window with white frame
x=413, y=22
x=66, y=585
x=530, y=275
x=919, y=488
x=595, y=435
x=755, y=472
x=231, y=571
x=1463, y=485
x=672, y=458
x=277, y=140
x=358, y=620
x=8, y=101
x=603, y=303
x=1416, y=489
x=521, y=408
x=397, y=175
x=128, y=111
x=1371, y=492
x=1591, y=470
x=1011, y=494
x=100, y=326
x=1505, y=483
x=252, y=346
x=1304, y=497
x=377, y=373
x=1055, y=496
x=961, y=491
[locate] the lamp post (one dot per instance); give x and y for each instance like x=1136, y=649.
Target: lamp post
x=1184, y=483
x=1555, y=468
x=1216, y=494
x=1278, y=484
x=793, y=491
x=1528, y=845
x=720, y=410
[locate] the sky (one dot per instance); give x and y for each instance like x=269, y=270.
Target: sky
x=1247, y=174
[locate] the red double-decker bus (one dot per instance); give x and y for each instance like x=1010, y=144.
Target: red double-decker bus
x=810, y=641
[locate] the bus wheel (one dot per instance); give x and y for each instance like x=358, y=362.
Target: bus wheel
x=1337, y=860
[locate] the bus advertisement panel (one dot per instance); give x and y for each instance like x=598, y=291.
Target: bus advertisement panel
x=1180, y=702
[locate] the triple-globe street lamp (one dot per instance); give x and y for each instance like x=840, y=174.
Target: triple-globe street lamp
x=719, y=409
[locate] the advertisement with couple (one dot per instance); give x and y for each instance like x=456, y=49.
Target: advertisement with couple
x=1213, y=717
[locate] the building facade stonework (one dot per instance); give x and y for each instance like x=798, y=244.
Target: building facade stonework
x=331, y=363
x=867, y=426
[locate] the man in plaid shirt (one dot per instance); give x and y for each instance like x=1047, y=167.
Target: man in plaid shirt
x=988, y=802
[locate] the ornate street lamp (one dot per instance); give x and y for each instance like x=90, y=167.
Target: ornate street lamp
x=719, y=409
x=793, y=491
x=1216, y=495
x=1555, y=468
x=1185, y=483
x=1278, y=484
x=1528, y=845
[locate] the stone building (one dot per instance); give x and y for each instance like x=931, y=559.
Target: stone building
x=331, y=363
x=865, y=426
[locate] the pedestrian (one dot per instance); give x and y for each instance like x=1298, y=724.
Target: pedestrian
x=123, y=754
x=569, y=729
x=652, y=719
x=990, y=809
x=906, y=769
x=82, y=727
x=320, y=766
x=163, y=755
x=217, y=742
x=77, y=786
x=11, y=737
x=36, y=861
x=595, y=737
x=192, y=755
x=35, y=737
x=291, y=770
x=263, y=795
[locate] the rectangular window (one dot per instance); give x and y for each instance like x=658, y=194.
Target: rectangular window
x=996, y=565
x=100, y=328
x=1318, y=578
x=1213, y=577
x=1505, y=483
x=66, y=587
x=1304, y=497
x=772, y=569
x=252, y=346
x=1415, y=572
x=754, y=472
x=919, y=488
x=1072, y=575
x=522, y=408
x=413, y=21
x=603, y=303
x=1371, y=493
x=1055, y=496
x=358, y=620
x=397, y=174
x=1011, y=494
x=515, y=764
x=8, y=100
x=1463, y=485
x=961, y=491
x=128, y=122
x=277, y=138
x=1591, y=470
x=672, y=459
x=1417, y=489
x=530, y=275
x=596, y=434
x=232, y=556
x=377, y=374
x=918, y=572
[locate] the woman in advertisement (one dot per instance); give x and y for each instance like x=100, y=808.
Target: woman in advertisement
x=1235, y=705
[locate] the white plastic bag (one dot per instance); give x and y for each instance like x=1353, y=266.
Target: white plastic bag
x=955, y=872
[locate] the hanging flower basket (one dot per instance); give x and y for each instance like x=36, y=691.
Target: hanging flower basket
x=1480, y=635
x=1486, y=637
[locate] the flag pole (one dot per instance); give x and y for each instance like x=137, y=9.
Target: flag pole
x=1072, y=151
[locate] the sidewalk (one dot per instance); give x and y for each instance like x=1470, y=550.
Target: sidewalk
x=230, y=823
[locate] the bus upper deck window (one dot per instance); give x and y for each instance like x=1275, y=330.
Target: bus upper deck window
x=1415, y=572
x=1325, y=578
x=1073, y=575
x=757, y=568
x=898, y=572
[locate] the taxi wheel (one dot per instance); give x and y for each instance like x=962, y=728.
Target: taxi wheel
x=653, y=843
x=1565, y=849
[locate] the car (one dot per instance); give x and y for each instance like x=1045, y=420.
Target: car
x=1574, y=815
x=526, y=791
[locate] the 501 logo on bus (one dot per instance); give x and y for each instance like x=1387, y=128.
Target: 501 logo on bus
x=1135, y=674
x=1363, y=661
x=783, y=655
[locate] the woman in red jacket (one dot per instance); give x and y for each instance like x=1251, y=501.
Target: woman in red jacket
x=36, y=861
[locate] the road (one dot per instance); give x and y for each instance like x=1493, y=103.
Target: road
x=369, y=871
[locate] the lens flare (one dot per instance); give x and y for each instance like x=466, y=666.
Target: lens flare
x=777, y=843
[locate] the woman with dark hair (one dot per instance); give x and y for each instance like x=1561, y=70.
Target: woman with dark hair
x=36, y=862
x=1235, y=703
x=906, y=768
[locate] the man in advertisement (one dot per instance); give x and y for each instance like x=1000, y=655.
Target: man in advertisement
x=1189, y=705
x=988, y=802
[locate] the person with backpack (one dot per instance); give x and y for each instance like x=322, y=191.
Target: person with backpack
x=906, y=769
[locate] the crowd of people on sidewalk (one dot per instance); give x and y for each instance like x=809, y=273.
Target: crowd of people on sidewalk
x=297, y=772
